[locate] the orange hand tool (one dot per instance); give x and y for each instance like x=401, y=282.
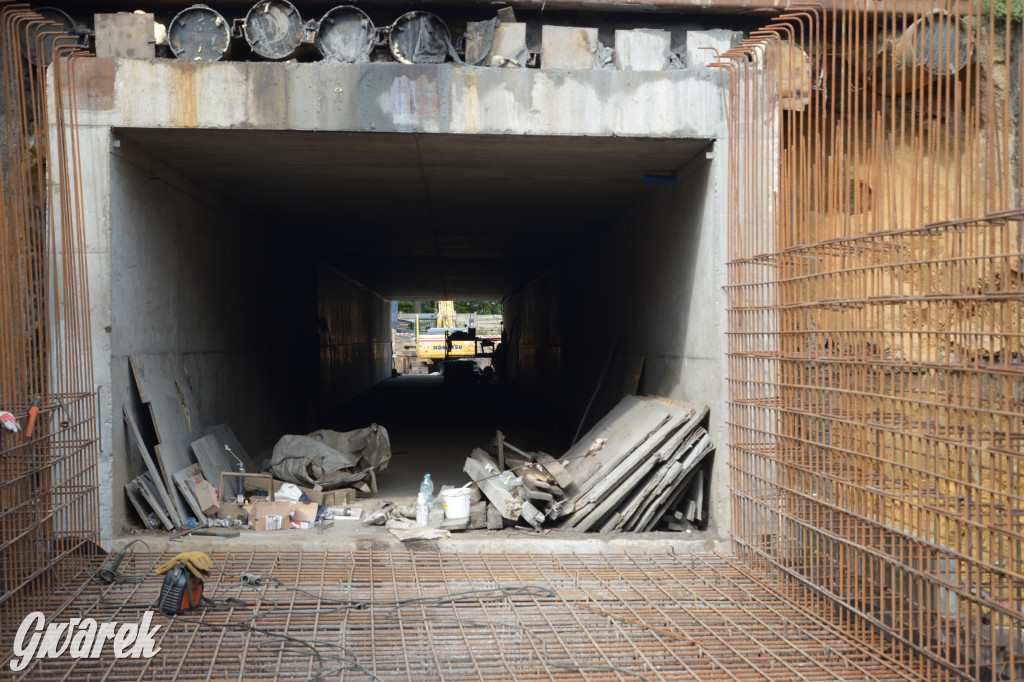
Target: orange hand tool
x=33, y=412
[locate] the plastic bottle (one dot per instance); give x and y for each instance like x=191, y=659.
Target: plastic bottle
x=510, y=480
x=427, y=488
x=422, y=510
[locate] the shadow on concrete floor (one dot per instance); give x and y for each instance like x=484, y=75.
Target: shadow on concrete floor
x=434, y=427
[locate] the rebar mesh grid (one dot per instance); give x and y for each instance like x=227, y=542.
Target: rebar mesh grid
x=586, y=617
x=876, y=323
x=48, y=482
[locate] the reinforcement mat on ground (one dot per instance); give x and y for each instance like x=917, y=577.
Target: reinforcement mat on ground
x=422, y=615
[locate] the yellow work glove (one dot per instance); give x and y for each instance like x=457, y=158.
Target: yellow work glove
x=198, y=564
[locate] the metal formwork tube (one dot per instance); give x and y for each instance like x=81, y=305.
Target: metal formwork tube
x=345, y=33
x=274, y=29
x=199, y=33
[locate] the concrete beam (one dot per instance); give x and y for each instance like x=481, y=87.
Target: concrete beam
x=444, y=98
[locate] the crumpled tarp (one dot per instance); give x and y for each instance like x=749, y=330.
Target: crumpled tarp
x=331, y=458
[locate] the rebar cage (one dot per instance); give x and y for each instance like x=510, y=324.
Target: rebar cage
x=876, y=306
x=49, y=508
x=875, y=343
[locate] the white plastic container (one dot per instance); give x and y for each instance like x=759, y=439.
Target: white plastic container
x=422, y=510
x=456, y=503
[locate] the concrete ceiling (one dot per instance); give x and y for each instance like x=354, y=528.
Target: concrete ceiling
x=424, y=216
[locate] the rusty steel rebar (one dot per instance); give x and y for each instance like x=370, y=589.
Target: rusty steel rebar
x=459, y=616
x=49, y=518
x=876, y=414
x=876, y=325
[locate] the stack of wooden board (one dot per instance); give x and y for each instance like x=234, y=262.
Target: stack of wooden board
x=645, y=465
x=184, y=452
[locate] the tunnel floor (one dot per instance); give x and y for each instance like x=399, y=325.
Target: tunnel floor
x=443, y=616
x=433, y=427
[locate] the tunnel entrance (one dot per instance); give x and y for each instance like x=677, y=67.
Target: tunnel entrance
x=268, y=260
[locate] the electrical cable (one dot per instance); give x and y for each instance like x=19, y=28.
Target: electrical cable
x=120, y=579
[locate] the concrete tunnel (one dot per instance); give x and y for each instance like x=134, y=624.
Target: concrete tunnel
x=265, y=248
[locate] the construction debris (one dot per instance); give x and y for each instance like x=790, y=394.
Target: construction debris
x=201, y=477
x=331, y=459
x=645, y=466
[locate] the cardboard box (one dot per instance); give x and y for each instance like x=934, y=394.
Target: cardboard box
x=270, y=522
x=206, y=495
x=259, y=513
x=232, y=510
x=305, y=511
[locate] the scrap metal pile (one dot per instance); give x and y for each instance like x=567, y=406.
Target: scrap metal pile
x=645, y=466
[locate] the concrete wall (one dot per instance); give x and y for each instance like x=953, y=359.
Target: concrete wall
x=260, y=327
x=354, y=338
x=189, y=276
x=655, y=281
x=115, y=94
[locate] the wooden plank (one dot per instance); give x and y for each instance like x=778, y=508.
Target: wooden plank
x=501, y=451
x=183, y=479
x=661, y=494
x=212, y=457
x=148, y=490
x=494, y=518
x=702, y=457
x=455, y=524
x=225, y=436
x=556, y=470
x=163, y=386
x=135, y=436
x=693, y=500
x=529, y=456
x=534, y=492
x=626, y=422
x=559, y=508
x=608, y=498
x=662, y=445
x=505, y=502
x=602, y=460
x=704, y=510
x=542, y=482
x=485, y=459
x=614, y=468
x=532, y=515
x=142, y=507
x=671, y=497
x=478, y=515
x=692, y=453
x=645, y=493
x=515, y=461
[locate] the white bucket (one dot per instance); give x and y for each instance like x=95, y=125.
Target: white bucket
x=456, y=503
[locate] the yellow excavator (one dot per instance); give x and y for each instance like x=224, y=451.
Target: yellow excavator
x=447, y=341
